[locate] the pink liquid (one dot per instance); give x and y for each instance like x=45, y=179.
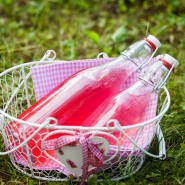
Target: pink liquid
x=70, y=103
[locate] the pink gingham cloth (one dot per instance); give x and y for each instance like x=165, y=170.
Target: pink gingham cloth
x=46, y=77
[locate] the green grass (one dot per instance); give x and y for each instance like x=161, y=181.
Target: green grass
x=82, y=29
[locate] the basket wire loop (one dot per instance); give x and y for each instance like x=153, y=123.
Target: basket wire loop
x=48, y=54
x=102, y=55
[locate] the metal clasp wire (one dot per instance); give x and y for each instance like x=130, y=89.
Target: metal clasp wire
x=161, y=83
x=146, y=81
x=145, y=63
x=124, y=55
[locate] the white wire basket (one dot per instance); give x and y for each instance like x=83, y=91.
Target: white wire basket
x=120, y=161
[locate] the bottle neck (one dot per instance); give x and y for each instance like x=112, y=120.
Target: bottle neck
x=150, y=80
